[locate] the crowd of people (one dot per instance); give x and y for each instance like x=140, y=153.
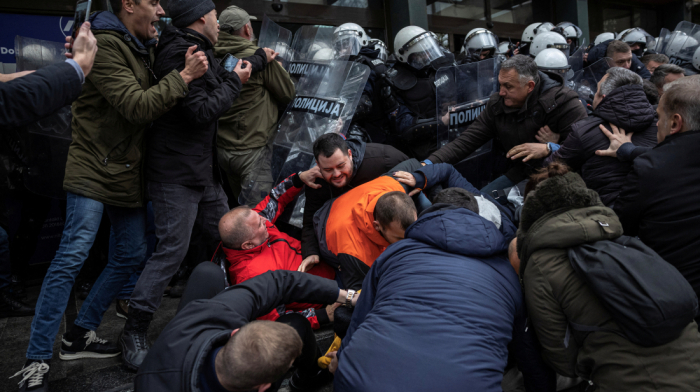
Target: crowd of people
x=577, y=264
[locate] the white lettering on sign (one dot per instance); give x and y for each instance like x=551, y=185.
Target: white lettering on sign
x=4, y=50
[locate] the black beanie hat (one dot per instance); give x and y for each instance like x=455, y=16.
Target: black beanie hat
x=186, y=12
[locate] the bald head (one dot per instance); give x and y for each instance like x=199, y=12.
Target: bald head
x=234, y=228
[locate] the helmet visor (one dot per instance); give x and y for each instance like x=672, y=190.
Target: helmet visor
x=563, y=47
x=482, y=40
x=347, y=43
x=421, y=51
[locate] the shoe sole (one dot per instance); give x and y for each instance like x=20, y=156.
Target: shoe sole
x=122, y=315
x=85, y=354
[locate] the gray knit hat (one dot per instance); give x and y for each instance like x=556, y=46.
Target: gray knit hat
x=186, y=12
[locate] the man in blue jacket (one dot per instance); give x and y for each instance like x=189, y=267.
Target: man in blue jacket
x=443, y=324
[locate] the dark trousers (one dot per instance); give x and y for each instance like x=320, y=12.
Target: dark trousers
x=207, y=280
x=177, y=209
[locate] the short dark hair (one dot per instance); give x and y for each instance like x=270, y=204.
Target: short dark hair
x=617, y=46
x=117, y=5
x=662, y=71
x=457, y=197
x=260, y=352
x=395, y=206
x=651, y=92
x=655, y=57
x=328, y=143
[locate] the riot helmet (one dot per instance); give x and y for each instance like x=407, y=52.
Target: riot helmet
x=603, y=37
x=532, y=30
x=416, y=47
x=325, y=54
x=503, y=47
x=379, y=45
x=677, y=41
x=547, y=40
x=570, y=31
x=554, y=60
x=637, y=39
x=479, y=41
x=348, y=39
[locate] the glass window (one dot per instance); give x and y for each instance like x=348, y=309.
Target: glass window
x=340, y=3
x=503, y=11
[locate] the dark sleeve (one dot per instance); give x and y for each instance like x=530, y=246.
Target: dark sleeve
x=393, y=157
x=203, y=107
x=480, y=132
x=352, y=271
x=258, y=296
x=629, y=152
x=314, y=201
x=628, y=205
x=258, y=60
x=571, y=152
x=639, y=67
x=272, y=206
x=569, y=113
x=401, y=119
x=35, y=96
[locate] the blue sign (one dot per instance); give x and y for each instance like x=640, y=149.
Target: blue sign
x=49, y=28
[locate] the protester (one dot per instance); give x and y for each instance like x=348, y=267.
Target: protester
x=664, y=74
x=184, y=183
x=579, y=335
x=211, y=344
x=649, y=202
x=619, y=102
x=509, y=117
x=651, y=92
x=620, y=55
x=29, y=96
x=652, y=61
x=120, y=98
x=453, y=260
x=343, y=165
x=253, y=245
x=247, y=127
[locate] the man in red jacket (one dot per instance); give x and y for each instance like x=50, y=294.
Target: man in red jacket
x=251, y=245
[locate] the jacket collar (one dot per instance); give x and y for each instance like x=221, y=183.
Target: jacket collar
x=107, y=21
x=201, y=39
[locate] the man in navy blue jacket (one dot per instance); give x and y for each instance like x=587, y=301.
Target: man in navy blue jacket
x=439, y=308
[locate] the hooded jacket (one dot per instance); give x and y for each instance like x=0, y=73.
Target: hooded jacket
x=369, y=161
x=550, y=103
x=626, y=107
x=120, y=99
x=176, y=359
x=562, y=213
x=656, y=203
x=279, y=252
x=251, y=120
x=450, y=277
x=600, y=51
x=182, y=144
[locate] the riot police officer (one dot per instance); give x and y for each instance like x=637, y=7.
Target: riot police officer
x=350, y=40
x=548, y=40
x=410, y=94
x=529, y=34
x=637, y=39
x=572, y=33
x=479, y=44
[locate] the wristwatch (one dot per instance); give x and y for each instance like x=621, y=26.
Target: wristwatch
x=348, y=299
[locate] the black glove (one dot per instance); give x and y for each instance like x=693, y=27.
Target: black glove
x=363, y=108
x=389, y=100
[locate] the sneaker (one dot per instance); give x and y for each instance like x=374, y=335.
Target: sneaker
x=89, y=346
x=122, y=307
x=35, y=376
x=12, y=307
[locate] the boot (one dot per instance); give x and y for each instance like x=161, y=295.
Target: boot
x=133, y=339
x=12, y=307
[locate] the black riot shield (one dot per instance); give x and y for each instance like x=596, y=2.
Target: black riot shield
x=312, y=51
x=462, y=93
x=325, y=101
x=48, y=139
x=276, y=38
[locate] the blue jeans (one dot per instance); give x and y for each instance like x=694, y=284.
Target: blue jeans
x=5, y=266
x=83, y=216
x=150, y=247
x=501, y=182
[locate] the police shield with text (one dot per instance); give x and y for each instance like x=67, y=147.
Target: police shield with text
x=410, y=95
x=326, y=99
x=682, y=47
x=311, y=51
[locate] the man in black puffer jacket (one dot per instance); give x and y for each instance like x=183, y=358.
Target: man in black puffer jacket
x=621, y=102
x=183, y=179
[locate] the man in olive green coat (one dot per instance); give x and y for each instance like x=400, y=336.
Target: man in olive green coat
x=120, y=98
x=562, y=213
x=244, y=131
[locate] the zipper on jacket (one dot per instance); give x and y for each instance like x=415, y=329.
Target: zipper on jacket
x=269, y=245
x=104, y=161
